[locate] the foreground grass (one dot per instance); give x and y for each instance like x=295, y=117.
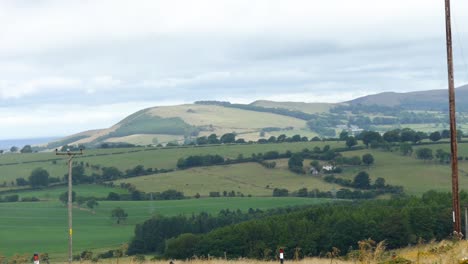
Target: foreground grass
x=42, y=226
x=445, y=252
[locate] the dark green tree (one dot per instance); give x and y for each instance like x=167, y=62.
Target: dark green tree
x=39, y=178
x=228, y=138
x=392, y=135
x=295, y=163
x=435, y=136
x=91, y=203
x=369, y=137
x=119, y=215
x=368, y=159
x=26, y=149
x=424, y=154
x=351, y=141
x=362, y=180
x=344, y=135
x=406, y=149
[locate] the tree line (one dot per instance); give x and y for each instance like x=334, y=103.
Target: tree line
x=314, y=230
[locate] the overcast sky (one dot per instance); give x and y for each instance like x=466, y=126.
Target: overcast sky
x=70, y=66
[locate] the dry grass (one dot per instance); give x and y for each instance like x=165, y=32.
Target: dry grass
x=444, y=252
x=218, y=261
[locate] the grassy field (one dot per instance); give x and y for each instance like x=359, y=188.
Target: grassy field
x=247, y=178
x=86, y=190
x=42, y=226
x=128, y=158
x=416, y=176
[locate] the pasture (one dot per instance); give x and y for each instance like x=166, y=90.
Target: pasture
x=247, y=178
x=42, y=226
x=15, y=165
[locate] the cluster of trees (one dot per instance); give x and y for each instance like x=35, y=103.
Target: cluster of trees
x=362, y=181
x=315, y=230
x=152, y=235
x=199, y=160
x=38, y=178
x=136, y=195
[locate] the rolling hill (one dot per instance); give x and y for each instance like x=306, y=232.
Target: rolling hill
x=179, y=123
x=431, y=100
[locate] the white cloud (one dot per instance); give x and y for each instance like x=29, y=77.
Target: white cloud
x=9, y=89
x=106, y=52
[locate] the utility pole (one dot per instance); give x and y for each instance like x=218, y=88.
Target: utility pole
x=453, y=127
x=70, y=155
x=466, y=221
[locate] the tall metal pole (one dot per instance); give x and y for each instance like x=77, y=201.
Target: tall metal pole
x=70, y=155
x=453, y=127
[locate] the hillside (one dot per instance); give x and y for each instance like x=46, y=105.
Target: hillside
x=310, y=108
x=263, y=119
x=431, y=100
x=175, y=123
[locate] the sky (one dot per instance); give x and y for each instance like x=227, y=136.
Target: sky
x=71, y=66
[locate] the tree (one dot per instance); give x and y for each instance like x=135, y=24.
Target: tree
x=213, y=139
x=316, y=165
x=228, y=138
x=406, y=149
x=92, y=203
x=445, y=133
x=77, y=174
x=424, y=154
x=351, y=141
x=295, y=163
x=369, y=137
x=39, y=178
x=14, y=149
x=408, y=134
x=379, y=183
x=21, y=182
x=368, y=159
x=26, y=149
x=362, y=180
x=392, y=135
x=344, y=135
x=119, y=215
x=435, y=136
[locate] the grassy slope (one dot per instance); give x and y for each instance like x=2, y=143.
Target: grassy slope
x=42, y=226
x=247, y=178
x=225, y=117
x=311, y=108
x=213, y=119
x=416, y=176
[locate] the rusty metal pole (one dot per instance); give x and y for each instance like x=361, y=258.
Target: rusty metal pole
x=453, y=126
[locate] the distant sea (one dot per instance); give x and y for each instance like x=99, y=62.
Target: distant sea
x=8, y=143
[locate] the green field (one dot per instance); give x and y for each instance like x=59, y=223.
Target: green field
x=247, y=178
x=416, y=176
x=86, y=190
x=42, y=226
x=128, y=158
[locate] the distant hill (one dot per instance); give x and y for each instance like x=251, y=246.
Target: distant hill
x=431, y=100
x=181, y=122
x=262, y=118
